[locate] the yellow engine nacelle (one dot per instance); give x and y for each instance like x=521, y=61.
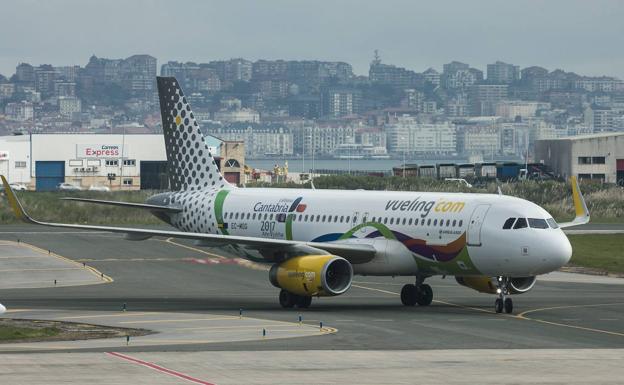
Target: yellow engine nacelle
x=484, y=284
x=313, y=275
x=480, y=284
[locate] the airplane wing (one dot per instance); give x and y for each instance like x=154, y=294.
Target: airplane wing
x=580, y=207
x=271, y=249
x=127, y=204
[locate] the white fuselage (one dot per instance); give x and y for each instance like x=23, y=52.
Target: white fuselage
x=414, y=232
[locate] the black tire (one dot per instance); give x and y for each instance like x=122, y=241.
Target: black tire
x=286, y=299
x=304, y=302
x=424, y=297
x=508, y=305
x=408, y=295
x=498, y=305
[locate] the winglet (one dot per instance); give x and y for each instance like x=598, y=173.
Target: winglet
x=16, y=205
x=580, y=207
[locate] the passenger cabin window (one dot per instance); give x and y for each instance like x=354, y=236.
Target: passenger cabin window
x=553, y=224
x=538, y=223
x=509, y=223
x=521, y=223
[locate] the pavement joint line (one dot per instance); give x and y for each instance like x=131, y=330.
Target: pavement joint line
x=160, y=369
x=103, y=277
x=292, y=327
x=120, y=314
x=179, y=320
x=42, y=269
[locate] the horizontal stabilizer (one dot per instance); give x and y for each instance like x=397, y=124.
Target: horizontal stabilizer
x=127, y=204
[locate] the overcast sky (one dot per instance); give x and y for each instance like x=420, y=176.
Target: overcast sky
x=581, y=36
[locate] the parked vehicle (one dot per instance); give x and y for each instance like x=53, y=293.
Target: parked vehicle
x=18, y=186
x=99, y=188
x=68, y=187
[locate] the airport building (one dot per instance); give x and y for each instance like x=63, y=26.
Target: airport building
x=595, y=156
x=119, y=162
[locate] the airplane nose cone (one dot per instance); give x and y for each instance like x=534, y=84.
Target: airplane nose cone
x=2, y=309
x=561, y=252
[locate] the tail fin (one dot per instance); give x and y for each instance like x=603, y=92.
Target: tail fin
x=190, y=163
x=580, y=207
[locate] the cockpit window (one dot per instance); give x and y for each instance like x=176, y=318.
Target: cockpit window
x=553, y=224
x=521, y=223
x=538, y=223
x=509, y=223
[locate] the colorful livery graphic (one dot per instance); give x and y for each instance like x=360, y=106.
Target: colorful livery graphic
x=317, y=240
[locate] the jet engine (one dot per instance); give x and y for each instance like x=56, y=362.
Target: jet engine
x=313, y=275
x=488, y=285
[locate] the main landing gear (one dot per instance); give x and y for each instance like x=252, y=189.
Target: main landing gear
x=418, y=293
x=503, y=302
x=289, y=300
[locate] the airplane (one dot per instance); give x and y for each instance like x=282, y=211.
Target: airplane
x=317, y=240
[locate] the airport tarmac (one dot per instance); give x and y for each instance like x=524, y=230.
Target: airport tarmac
x=192, y=296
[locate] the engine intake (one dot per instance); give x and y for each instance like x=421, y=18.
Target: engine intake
x=313, y=275
x=483, y=284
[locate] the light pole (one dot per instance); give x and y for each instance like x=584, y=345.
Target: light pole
x=348, y=137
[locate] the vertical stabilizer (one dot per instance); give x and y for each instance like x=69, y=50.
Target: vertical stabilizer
x=189, y=161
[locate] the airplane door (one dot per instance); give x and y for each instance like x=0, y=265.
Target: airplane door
x=474, y=226
x=364, y=220
x=354, y=219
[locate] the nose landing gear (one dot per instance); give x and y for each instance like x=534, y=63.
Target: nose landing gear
x=503, y=302
x=419, y=293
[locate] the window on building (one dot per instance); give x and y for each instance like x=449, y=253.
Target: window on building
x=584, y=160
x=599, y=160
x=112, y=162
x=75, y=163
x=20, y=164
x=584, y=176
x=127, y=181
x=598, y=177
x=129, y=162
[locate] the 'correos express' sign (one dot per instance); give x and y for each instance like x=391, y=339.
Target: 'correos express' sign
x=100, y=150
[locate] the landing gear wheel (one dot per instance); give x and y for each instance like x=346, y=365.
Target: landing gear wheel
x=286, y=299
x=304, y=302
x=408, y=295
x=424, y=295
x=508, y=305
x=498, y=305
